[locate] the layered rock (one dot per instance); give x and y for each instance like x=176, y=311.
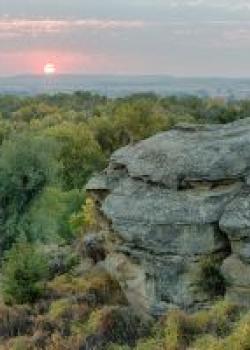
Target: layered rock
x=169, y=203
x=235, y=222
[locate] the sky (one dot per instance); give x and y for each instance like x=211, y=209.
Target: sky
x=172, y=37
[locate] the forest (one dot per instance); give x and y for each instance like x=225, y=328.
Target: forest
x=50, y=299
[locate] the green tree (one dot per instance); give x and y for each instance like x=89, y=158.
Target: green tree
x=128, y=122
x=5, y=128
x=27, y=165
x=80, y=153
x=33, y=111
x=24, y=274
x=48, y=219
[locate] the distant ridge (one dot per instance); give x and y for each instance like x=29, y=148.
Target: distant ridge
x=120, y=85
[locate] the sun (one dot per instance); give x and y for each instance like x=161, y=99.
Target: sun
x=49, y=69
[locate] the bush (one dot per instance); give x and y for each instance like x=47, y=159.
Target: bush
x=210, y=279
x=86, y=220
x=60, y=259
x=19, y=343
x=98, y=286
x=59, y=342
x=60, y=309
x=80, y=153
x=48, y=218
x=111, y=325
x=177, y=330
x=208, y=342
x=150, y=344
x=119, y=347
x=240, y=336
x=239, y=339
x=14, y=321
x=218, y=320
x=24, y=273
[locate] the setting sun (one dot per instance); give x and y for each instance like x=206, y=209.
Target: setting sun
x=49, y=69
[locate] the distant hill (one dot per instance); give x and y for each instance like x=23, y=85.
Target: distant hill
x=123, y=85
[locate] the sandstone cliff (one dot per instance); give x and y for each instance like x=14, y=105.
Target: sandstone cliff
x=170, y=203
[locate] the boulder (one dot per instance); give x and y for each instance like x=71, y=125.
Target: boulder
x=172, y=201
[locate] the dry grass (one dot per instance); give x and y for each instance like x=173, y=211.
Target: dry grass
x=98, y=284
x=205, y=330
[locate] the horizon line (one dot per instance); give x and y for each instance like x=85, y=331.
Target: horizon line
x=124, y=75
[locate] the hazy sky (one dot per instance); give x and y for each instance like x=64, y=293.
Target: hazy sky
x=177, y=37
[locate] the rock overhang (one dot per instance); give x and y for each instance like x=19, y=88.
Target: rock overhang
x=175, y=199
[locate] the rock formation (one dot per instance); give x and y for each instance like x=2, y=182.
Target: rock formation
x=171, y=203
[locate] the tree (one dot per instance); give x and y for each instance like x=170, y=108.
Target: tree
x=80, y=153
x=128, y=122
x=27, y=165
x=48, y=219
x=24, y=273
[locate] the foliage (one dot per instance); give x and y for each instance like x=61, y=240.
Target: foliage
x=27, y=165
x=50, y=146
x=239, y=339
x=19, y=343
x=118, y=347
x=217, y=320
x=24, y=274
x=61, y=259
x=59, y=308
x=48, y=219
x=5, y=129
x=129, y=122
x=80, y=153
x=67, y=311
x=210, y=279
x=179, y=330
x=96, y=283
x=86, y=220
x=14, y=320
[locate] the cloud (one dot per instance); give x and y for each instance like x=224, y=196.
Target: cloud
x=11, y=27
x=227, y=4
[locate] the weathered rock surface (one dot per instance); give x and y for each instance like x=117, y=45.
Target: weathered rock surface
x=173, y=201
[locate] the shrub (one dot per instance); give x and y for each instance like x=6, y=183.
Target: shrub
x=58, y=342
x=48, y=218
x=59, y=309
x=150, y=344
x=218, y=320
x=86, y=220
x=240, y=336
x=80, y=153
x=97, y=285
x=61, y=259
x=117, y=325
x=179, y=330
x=21, y=343
x=239, y=339
x=208, y=342
x=176, y=330
x=89, y=327
x=210, y=279
x=121, y=325
x=24, y=273
x=18, y=343
x=14, y=321
x=119, y=347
